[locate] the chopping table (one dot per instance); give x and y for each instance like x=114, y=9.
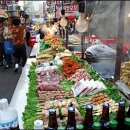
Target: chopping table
x=19, y=99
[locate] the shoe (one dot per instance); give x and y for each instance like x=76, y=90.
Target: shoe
x=6, y=67
x=1, y=64
x=16, y=68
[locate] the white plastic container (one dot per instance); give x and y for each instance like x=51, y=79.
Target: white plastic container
x=38, y=125
x=8, y=115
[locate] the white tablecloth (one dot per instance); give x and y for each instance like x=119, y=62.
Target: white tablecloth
x=19, y=99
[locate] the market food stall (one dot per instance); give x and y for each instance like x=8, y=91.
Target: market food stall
x=59, y=79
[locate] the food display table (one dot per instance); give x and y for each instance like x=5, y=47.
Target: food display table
x=35, y=50
x=58, y=76
x=19, y=99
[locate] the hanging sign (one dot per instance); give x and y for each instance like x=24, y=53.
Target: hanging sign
x=70, y=7
x=5, y=2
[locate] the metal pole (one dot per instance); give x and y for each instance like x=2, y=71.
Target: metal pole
x=82, y=44
x=67, y=37
x=120, y=40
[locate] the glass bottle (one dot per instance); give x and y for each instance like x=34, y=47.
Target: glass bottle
x=71, y=122
x=128, y=112
x=88, y=122
x=113, y=124
x=121, y=115
x=52, y=119
x=127, y=123
x=96, y=126
x=61, y=128
x=79, y=127
x=105, y=116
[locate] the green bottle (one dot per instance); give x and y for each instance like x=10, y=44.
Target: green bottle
x=61, y=128
x=96, y=126
x=79, y=127
x=127, y=123
x=113, y=124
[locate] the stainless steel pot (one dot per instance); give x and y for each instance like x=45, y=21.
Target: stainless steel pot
x=14, y=13
x=13, y=7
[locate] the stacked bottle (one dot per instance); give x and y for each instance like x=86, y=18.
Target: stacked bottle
x=8, y=116
x=121, y=122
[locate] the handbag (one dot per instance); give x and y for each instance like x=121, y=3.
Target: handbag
x=8, y=47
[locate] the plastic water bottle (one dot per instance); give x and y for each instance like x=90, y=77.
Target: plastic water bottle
x=8, y=116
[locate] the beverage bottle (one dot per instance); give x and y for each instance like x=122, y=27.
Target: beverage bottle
x=121, y=115
x=52, y=120
x=8, y=116
x=61, y=128
x=38, y=125
x=113, y=124
x=88, y=122
x=79, y=127
x=105, y=116
x=96, y=126
x=128, y=112
x=71, y=122
x=127, y=123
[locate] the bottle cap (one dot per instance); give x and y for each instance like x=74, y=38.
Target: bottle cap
x=3, y=103
x=38, y=124
x=79, y=127
x=52, y=111
x=113, y=123
x=122, y=103
x=127, y=121
x=97, y=125
x=105, y=104
x=71, y=109
x=89, y=107
x=61, y=128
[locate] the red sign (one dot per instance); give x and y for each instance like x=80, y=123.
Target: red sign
x=5, y=2
x=70, y=7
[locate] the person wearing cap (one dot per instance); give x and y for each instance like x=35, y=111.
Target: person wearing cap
x=18, y=40
x=1, y=42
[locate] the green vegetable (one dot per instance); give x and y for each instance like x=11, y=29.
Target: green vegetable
x=66, y=84
x=29, y=115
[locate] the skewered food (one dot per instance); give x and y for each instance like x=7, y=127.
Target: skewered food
x=125, y=73
x=57, y=95
x=80, y=74
x=99, y=98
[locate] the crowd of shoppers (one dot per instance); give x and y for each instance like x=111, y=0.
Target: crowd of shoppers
x=12, y=30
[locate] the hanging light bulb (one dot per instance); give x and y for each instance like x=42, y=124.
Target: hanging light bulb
x=63, y=21
x=81, y=24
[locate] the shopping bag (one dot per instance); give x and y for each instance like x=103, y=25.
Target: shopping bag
x=8, y=47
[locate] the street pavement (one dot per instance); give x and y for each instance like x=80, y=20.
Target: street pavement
x=9, y=79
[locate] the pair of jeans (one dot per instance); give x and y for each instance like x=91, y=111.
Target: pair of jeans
x=2, y=53
x=20, y=52
x=8, y=59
